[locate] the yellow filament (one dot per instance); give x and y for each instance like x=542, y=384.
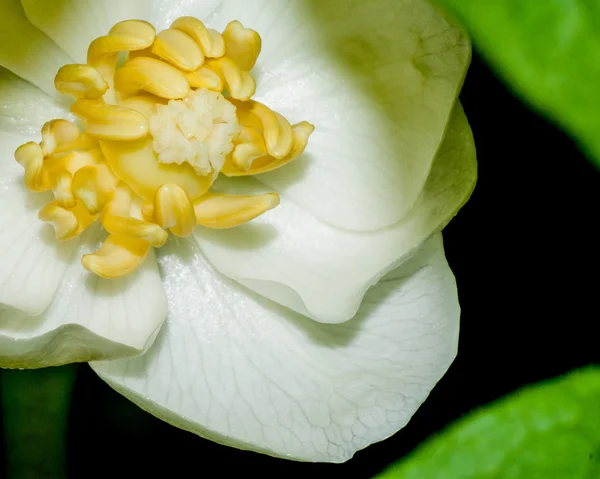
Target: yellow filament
x=80, y=81
x=56, y=134
x=251, y=145
x=116, y=219
x=218, y=211
x=210, y=41
x=129, y=35
x=204, y=77
x=94, y=186
x=301, y=134
x=151, y=75
x=68, y=222
x=241, y=84
x=61, y=187
x=174, y=210
x=110, y=122
x=243, y=45
x=31, y=157
x=179, y=49
x=117, y=257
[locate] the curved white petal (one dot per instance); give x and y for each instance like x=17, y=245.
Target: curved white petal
x=73, y=24
x=246, y=372
x=32, y=262
x=321, y=271
x=24, y=109
x=377, y=78
x=25, y=50
x=90, y=318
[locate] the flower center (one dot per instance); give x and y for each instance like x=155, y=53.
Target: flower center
x=157, y=132
x=199, y=130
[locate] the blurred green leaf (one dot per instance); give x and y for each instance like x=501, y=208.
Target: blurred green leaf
x=551, y=430
x=35, y=410
x=549, y=50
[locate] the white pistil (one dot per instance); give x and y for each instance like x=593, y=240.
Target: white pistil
x=199, y=130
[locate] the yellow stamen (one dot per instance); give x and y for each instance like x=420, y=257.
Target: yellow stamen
x=31, y=157
x=218, y=211
x=158, y=130
x=80, y=81
x=110, y=122
x=210, y=41
x=117, y=257
x=151, y=75
x=204, y=77
x=61, y=187
x=179, y=49
x=301, y=134
x=117, y=219
x=243, y=45
x=129, y=35
x=174, y=210
x=241, y=84
x=68, y=222
x=56, y=134
x=94, y=186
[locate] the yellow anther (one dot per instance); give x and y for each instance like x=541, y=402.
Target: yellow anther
x=301, y=134
x=204, y=77
x=110, y=122
x=118, y=220
x=57, y=134
x=67, y=222
x=179, y=49
x=124, y=36
x=136, y=165
x=276, y=129
x=151, y=75
x=174, y=210
x=94, y=186
x=31, y=157
x=73, y=161
x=61, y=187
x=80, y=81
x=242, y=45
x=117, y=257
x=251, y=145
x=241, y=84
x=218, y=211
x=210, y=41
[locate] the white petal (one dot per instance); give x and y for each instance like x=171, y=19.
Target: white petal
x=321, y=271
x=32, y=262
x=90, y=318
x=245, y=372
x=73, y=24
x=378, y=79
x=24, y=109
x=25, y=50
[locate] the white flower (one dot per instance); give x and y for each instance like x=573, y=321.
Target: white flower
x=273, y=340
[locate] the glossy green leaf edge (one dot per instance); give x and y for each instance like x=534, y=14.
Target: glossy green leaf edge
x=549, y=53
x=550, y=430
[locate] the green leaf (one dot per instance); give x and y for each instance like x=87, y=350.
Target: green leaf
x=550, y=430
x=549, y=51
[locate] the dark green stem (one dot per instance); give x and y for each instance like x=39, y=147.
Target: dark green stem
x=35, y=411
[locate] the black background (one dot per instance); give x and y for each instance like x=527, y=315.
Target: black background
x=526, y=257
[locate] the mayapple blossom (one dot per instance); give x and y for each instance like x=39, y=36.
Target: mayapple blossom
x=310, y=332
